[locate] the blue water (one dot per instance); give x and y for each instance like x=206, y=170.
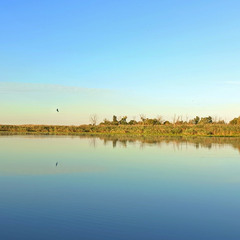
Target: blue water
x=108, y=189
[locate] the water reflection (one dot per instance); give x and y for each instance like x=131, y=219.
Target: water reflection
x=142, y=141
x=176, y=142
x=125, y=140
x=39, y=155
x=105, y=187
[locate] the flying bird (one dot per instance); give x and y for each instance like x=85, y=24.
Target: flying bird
x=57, y=110
x=56, y=164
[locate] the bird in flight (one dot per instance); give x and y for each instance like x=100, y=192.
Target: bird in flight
x=56, y=164
x=57, y=110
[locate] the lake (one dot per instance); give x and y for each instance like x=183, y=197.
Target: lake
x=91, y=188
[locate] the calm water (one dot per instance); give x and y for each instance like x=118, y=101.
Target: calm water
x=89, y=188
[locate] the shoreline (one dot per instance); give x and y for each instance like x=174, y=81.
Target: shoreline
x=187, y=130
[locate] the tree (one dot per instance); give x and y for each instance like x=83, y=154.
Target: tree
x=160, y=119
x=206, y=120
x=93, y=119
x=143, y=117
x=166, y=123
x=132, y=122
x=123, y=120
x=115, y=121
x=105, y=122
x=150, y=121
x=196, y=120
x=235, y=121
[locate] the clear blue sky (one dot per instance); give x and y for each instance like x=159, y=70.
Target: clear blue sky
x=118, y=57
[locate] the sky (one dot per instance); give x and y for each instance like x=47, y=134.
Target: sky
x=107, y=58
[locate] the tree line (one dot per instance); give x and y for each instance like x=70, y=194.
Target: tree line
x=177, y=120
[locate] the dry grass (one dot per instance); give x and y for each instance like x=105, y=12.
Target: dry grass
x=139, y=130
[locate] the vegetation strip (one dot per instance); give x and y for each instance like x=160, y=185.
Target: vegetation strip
x=146, y=127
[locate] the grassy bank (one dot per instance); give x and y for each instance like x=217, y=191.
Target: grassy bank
x=137, y=130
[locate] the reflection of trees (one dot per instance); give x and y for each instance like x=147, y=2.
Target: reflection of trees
x=92, y=142
x=114, y=143
x=178, y=142
x=123, y=143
